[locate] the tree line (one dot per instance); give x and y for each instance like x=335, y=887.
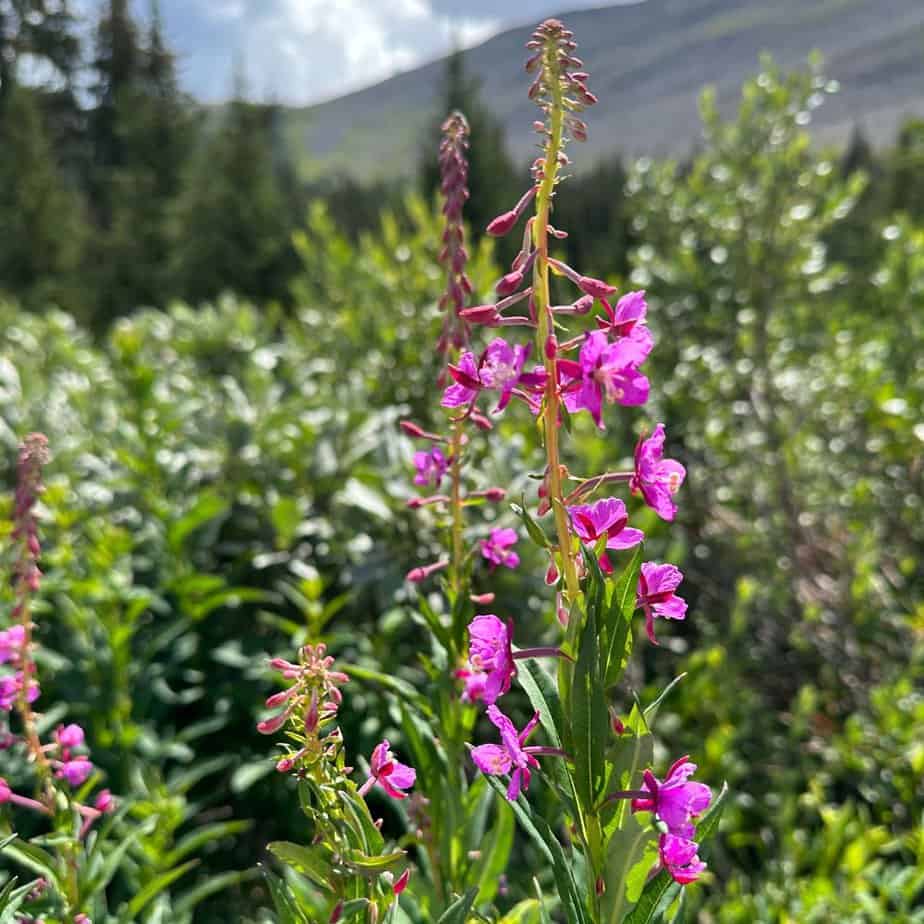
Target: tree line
x=118, y=190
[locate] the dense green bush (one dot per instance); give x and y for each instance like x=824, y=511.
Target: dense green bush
x=228, y=482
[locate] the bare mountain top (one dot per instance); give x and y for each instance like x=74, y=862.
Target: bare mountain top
x=648, y=62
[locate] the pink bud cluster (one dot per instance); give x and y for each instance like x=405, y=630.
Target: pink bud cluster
x=65, y=757
x=560, y=78
x=453, y=161
x=309, y=706
x=312, y=699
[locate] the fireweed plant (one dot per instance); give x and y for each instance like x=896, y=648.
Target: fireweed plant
x=621, y=841
x=632, y=837
x=57, y=783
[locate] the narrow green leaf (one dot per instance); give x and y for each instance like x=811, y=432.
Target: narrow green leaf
x=651, y=711
x=457, y=912
x=157, y=885
x=313, y=862
x=617, y=629
x=372, y=865
x=494, y=858
x=589, y=716
x=535, y=532
x=543, y=695
x=207, y=507
x=33, y=858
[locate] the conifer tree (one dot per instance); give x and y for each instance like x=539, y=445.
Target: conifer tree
x=233, y=226
x=41, y=227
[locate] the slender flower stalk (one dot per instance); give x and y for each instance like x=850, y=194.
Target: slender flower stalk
x=33, y=455
x=550, y=92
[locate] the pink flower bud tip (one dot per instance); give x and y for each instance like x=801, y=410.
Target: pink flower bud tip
x=105, y=802
x=421, y=573
x=401, y=882
x=596, y=287
x=495, y=494
x=482, y=599
x=70, y=736
x=503, y=224
x=510, y=283
x=480, y=314
x=273, y=724
x=551, y=347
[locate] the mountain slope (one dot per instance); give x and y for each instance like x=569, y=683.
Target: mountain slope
x=648, y=63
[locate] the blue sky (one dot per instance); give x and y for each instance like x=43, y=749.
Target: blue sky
x=303, y=51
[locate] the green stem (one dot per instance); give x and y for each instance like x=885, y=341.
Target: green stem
x=545, y=328
x=458, y=552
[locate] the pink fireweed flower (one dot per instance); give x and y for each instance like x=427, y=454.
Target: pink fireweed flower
x=502, y=367
x=656, y=586
x=431, y=466
x=392, y=776
x=401, y=882
x=679, y=857
x=69, y=736
x=511, y=754
x=676, y=800
x=496, y=548
x=499, y=369
x=607, y=517
x=11, y=644
x=422, y=572
x=10, y=688
x=504, y=223
x=604, y=369
x=75, y=771
x=657, y=478
x=629, y=313
x=467, y=382
x=473, y=683
x=490, y=651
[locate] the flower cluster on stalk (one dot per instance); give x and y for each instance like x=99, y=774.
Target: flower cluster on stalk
x=583, y=373
x=61, y=765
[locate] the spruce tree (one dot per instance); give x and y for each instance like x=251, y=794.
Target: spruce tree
x=41, y=227
x=233, y=226
x=141, y=131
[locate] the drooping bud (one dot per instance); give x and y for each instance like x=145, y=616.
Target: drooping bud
x=422, y=572
x=401, y=882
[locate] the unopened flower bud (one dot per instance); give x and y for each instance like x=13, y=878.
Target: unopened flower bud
x=552, y=574
x=480, y=314
x=401, y=882
x=495, y=495
x=336, y=914
x=510, y=282
x=595, y=287
x=502, y=224
x=272, y=724
x=480, y=421
x=481, y=599
x=551, y=346
x=421, y=573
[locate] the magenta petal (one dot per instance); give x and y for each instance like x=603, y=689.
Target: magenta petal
x=673, y=608
x=492, y=759
x=625, y=539
x=402, y=776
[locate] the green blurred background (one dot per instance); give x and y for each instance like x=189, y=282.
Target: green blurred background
x=219, y=344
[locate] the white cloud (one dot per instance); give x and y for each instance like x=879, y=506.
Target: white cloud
x=304, y=50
